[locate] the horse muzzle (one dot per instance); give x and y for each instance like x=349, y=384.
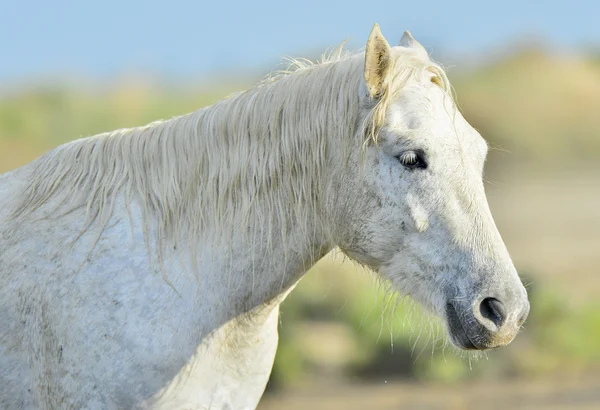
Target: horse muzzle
x=486, y=323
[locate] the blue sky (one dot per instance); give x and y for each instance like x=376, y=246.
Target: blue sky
x=182, y=39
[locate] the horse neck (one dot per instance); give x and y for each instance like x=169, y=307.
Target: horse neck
x=286, y=229
x=264, y=222
x=246, y=178
x=262, y=267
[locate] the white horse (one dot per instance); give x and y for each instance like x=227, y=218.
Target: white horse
x=144, y=268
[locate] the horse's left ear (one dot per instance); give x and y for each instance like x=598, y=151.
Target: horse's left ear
x=377, y=61
x=408, y=41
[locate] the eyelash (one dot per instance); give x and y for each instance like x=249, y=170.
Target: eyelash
x=412, y=159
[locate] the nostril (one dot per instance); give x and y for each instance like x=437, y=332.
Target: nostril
x=492, y=309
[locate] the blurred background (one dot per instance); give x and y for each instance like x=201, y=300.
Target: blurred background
x=527, y=75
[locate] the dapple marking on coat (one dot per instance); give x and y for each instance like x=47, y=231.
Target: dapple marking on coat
x=144, y=268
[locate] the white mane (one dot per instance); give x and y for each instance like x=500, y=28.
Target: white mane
x=267, y=145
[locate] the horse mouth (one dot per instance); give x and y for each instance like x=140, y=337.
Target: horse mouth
x=456, y=330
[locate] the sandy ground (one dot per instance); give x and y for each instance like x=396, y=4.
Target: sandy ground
x=554, y=394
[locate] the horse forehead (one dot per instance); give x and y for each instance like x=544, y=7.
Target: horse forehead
x=420, y=105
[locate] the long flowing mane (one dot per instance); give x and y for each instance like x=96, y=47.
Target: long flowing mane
x=256, y=156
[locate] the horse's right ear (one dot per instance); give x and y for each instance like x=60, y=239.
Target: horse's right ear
x=377, y=61
x=408, y=41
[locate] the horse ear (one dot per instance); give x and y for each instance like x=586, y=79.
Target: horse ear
x=377, y=61
x=408, y=41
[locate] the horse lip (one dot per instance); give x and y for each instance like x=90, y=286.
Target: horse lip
x=457, y=331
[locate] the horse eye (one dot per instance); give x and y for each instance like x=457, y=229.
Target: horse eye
x=413, y=159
